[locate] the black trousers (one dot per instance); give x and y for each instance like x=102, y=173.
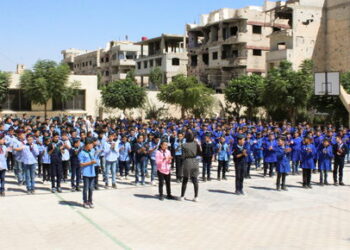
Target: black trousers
x=46, y=172
x=179, y=161
x=307, y=177
x=164, y=178
x=323, y=176
x=269, y=166
x=239, y=171
x=97, y=172
x=281, y=177
x=222, y=168
x=40, y=165
x=184, y=186
x=206, y=167
x=10, y=161
x=56, y=174
x=338, y=168
x=65, y=168
x=124, y=168
x=247, y=172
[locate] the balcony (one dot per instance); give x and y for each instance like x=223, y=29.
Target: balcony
x=118, y=76
x=279, y=55
x=241, y=37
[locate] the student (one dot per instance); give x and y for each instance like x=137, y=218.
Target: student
x=30, y=153
x=111, y=152
x=75, y=165
x=152, y=149
x=223, y=153
x=325, y=156
x=124, y=157
x=270, y=158
x=18, y=146
x=239, y=155
x=249, y=159
x=257, y=150
x=296, y=144
x=140, y=160
x=163, y=162
x=208, y=151
x=55, y=149
x=46, y=161
x=87, y=164
x=65, y=155
x=3, y=164
x=308, y=152
x=96, y=151
x=283, y=166
x=179, y=159
x=339, y=151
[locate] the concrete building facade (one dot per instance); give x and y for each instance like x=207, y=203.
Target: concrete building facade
x=167, y=52
x=228, y=43
x=296, y=38
x=109, y=64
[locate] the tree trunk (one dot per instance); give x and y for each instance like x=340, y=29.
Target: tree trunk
x=183, y=112
x=45, y=111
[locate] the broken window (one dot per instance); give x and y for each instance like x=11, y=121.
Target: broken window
x=215, y=55
x=107, y=59
x=275, y=29
x=145, y=64
x=130, y=55
x=107, y=73
x=175, y=61
x=139, y=65
x=205, y=58
x=257, y=29
x=194, y=61
x=281, y=46
x=257, y=52
x=159, y=62
x=151, y=63
x=234, y=53
x=233, y=31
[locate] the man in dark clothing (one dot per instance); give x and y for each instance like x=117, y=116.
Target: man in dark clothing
x=339, y=151
x=208, y=150
x=239, y=157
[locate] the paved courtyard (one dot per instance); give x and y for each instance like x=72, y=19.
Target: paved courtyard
x=133, y=218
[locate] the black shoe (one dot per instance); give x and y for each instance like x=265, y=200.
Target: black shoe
x=284, y=188
x=219, y=179
x=204, y=179
x=304, y=186
x=278, y=188
x=78, y=189
x=161, y=198
x=170, y=197
x=309, y=186
x=335, y=183
x=321, y=184
x=32, y=191
x=242, y=193
x=237, y=193
x=114, y=186
x=225, y=179
x=59, y=190
x=209, y=179
x=326, y=183
x=97, y=188
x=341, y=183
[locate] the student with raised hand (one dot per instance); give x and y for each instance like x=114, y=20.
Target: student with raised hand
x=163, y=163
x=325, y=156
x=283, y=166
x=87, y=164
x=30, y=153
x=3, y=164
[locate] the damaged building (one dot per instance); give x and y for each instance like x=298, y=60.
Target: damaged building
x=109, y=64
x=167, y=52
x=300, y=22
x=228, y=43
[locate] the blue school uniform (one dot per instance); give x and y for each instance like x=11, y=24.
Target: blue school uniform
x=84, y=157
x=325, y=156
x=283, y=165
x=308, y=153
x=296, y=149
x=270, y=155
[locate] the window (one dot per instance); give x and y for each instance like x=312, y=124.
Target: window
x=194, y=61
x=281, y=46
x=102, y=60
x=121, y=56
x=145, y=64
x=257, y=29
x=175, y=61
x=205, y=58
x=234, y=53
x=107, y=73
x=257, y=52
x=90, y=63
x=131, y=55
x=233, y=31
x=159, y=62
x=16, y=101
x=139, y=65
x=215, y=55
x=151, y=62
x=107, y=59
x=77, y=103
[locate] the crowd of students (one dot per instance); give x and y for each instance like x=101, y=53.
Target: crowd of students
x=81, y=150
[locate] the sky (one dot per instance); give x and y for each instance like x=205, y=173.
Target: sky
x=39, y=29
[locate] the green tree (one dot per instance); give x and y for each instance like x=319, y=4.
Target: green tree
x=46, y=81
x=287, y=91
x=187, y=93
x=123, y=94
x=245, y=91
x=156, y=77
x=131, y=75
x=4, y=85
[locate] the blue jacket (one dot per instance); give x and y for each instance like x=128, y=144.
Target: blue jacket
x=270, y=156
x=283, y=165
x=325, y=156
x=84, y=157
x=308, y=153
